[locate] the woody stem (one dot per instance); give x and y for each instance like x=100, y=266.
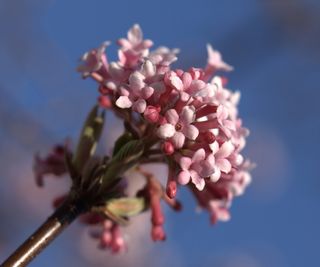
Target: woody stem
x=45, y=234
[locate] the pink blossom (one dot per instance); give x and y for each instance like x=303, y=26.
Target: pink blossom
x=191, y=169
x=215, y=63
x=134, y=47
x=179, y=126
x=219, y=210
x=95, y=61
x=217, y=162
x=137, y=91
x=186, y=119
x=54, y=164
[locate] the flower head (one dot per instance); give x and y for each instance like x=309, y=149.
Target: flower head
x=186, y=119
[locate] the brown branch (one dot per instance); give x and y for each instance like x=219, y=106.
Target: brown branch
x=45, y=234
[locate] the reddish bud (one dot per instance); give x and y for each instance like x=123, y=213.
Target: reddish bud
x=171, y=189
x=157, y=217
x=104, y=101
x=168, y=148
x=151, y=114
x=157, y=233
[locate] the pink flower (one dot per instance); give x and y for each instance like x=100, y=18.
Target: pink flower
x=163, y=57
x=219, y=210
x=191, y=169
x=215, y=63
x=179, y=126
x=54, y=164
x=134, y=47
x=217, y=162
x=137, y=91
x=185, y=118
x=95, y=61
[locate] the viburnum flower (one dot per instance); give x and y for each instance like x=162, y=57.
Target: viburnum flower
x=179, y=126
x=185, y=119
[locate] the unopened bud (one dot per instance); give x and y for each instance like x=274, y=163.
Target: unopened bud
x=157, y=233
x=104, y=101
x=168, y=148
x=171, y=189
x=151, y=114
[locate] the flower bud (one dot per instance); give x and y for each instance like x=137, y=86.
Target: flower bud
x=104, y=101
x=168, y=148
x=171, y=189
x=151, y=114
x=157, y=233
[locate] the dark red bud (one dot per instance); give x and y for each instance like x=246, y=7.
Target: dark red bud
x=171, y=189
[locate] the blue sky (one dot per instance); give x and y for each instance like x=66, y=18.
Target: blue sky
x=274, y=47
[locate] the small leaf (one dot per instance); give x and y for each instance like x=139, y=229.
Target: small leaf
x=129, y=152
x=89, y=138
x=126, y=207
x=128, y=155
x=74, y=175
x=121, y=141
x=119, y=209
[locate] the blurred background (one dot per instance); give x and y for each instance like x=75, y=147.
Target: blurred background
x=274, y=46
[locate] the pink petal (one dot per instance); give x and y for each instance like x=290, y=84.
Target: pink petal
x=214, y=147
x=139, y=106
x=225, y=150
x=184, y=96
x=196, y=86
x=197, y=180
x=183, y=177
x=208, y=166
x=176, y=82
x=136, y=81
x=116, y=71
x=123, y=102
x=215, y=60
x=216, y=175
x=125, y=44
x=147, y=43
x=135, y=34
x=224, y=165
x=229, y=124
x=208, y=91
x=166, y=131
x=187, y=114
x=219, y=210
x=191, y=132
x=146, y=92
x=148, y=68
x=185, y=163
x=199, y=155
x=222, y=113
x=186, y=79
x=172, y=116
x=178, y=140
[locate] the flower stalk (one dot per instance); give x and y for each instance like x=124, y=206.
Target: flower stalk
x=45, y=234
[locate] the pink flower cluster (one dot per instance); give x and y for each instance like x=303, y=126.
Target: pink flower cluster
x=194, y=117
x=190, y=117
